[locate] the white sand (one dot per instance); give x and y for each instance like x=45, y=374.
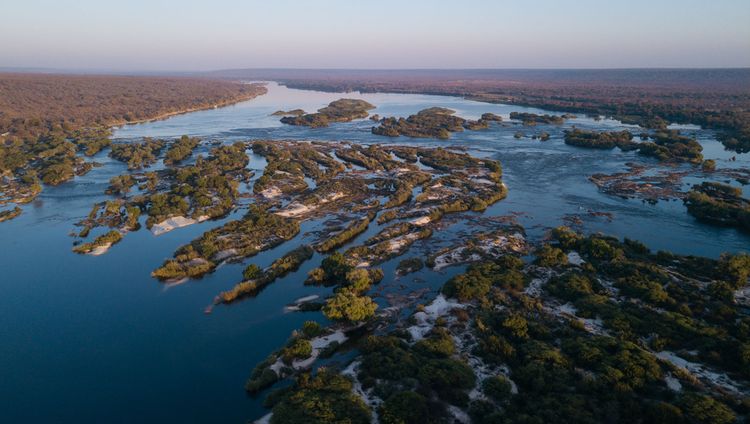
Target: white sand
x=421, y=221
x=318, y=345
x=264, y=419
x=575, y=259
x=295, y=306
x=673, y=383
x=100, y=250
x=174, y=222
x=295, y=209
x=701, y=372
x=228, y=253
x=426, y=319
x=271, y=193
x=370, y=399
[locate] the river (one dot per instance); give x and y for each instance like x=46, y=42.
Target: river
x=96, y=339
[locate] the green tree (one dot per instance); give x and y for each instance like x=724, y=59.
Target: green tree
x=348, y=306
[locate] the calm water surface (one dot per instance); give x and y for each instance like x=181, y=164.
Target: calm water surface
x=95, y=339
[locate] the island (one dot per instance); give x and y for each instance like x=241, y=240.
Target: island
x=508, y=338
x=531, y=119
x=342, y=110
x=719, y=204
x=434, y=122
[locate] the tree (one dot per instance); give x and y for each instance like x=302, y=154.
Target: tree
x=404, y=408
x=348, y=306
x=704, y=409
x=497, y=388
x=549, y=256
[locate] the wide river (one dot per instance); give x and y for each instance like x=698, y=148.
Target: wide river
x=95, y=339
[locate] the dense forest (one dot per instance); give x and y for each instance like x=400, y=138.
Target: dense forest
x=78, y=100
x=594, y=329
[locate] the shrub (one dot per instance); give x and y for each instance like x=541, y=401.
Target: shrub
x=497, y=388
x=348, y=306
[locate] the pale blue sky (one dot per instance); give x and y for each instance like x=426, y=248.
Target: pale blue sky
x=218, y=34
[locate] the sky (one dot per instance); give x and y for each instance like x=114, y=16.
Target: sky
x=187, y=35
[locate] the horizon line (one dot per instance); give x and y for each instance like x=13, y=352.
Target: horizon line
x=109, y=71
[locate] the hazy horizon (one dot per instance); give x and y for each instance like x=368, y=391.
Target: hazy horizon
x=160, y=36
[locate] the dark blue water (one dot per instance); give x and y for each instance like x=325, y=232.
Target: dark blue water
x=96, y=339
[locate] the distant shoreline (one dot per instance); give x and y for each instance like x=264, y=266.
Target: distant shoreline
x=217, y=105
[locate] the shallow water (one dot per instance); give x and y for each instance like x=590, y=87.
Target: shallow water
x=96, y=339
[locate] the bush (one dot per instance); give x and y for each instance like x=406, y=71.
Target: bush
x=404, y=408
x=497, y=388
x=325, y=398
x=348, y=306
x=252, y=272
x=298, y=349
x=549, y=256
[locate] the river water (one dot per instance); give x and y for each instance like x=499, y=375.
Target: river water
x=96, y=339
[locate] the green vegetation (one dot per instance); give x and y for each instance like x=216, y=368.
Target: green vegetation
x=342, y=110
x=325, y=398
x=390, y=365
x=548, y=256
x=50, y=155
x=49, y=121
x=104, y=241
x=491, y=117
x=435, y=122
x=341, y=238
x=582, y=343
x=391, y=242
x=481, y=277
x=719, y=204
x=293, y=112
x=667, y=145
x=257, y=279
x=407, y=266
x=121, y=184
x=531, y=119
x=599, y=140
x=208, y=189
x=347, y=305
x=113, y=214
x=138, y=155
x=708, y=165
x=8, y=214
x=404, y=186
x=289, y=164
x=670, y=146
x=92, y=140
x=180, y=150
x=258, y=230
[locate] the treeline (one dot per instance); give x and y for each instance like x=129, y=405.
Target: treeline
x=721, y=105
x=34, y=103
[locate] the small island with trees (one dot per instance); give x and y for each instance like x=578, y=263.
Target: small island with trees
x=342, y=110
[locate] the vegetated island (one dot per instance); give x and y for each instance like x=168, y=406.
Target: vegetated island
x=176, y=196
x=293, y=112
x=532, y=119
x=592, y=328
x=719, y=204
x=667, y=145
x=451, y=182
x=434, y=122
x=50, y=123
x=342, y=110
